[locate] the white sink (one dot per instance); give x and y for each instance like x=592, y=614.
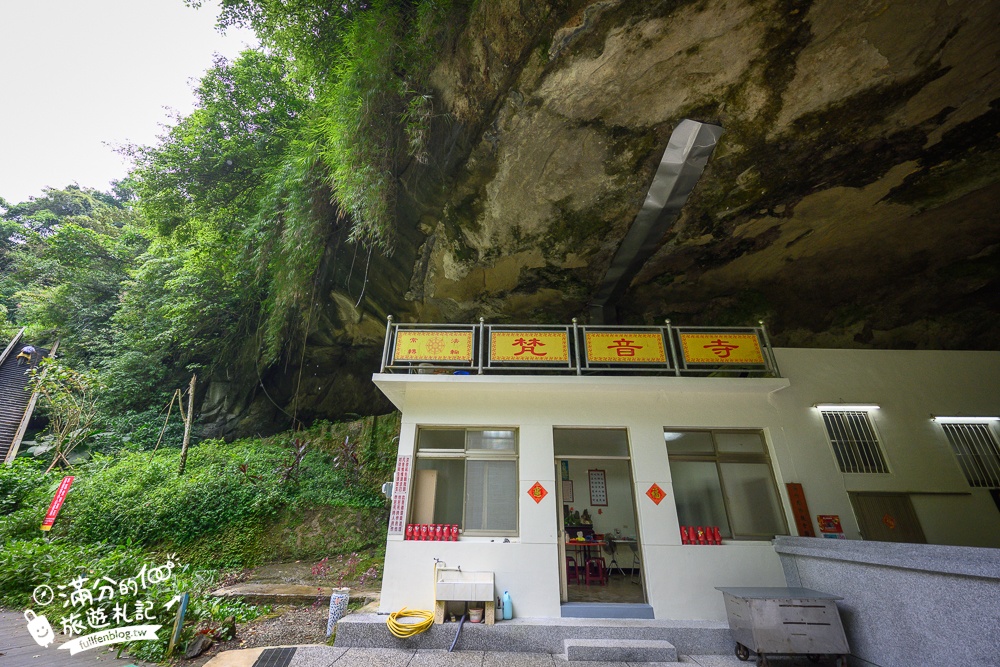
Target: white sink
x=454, y=584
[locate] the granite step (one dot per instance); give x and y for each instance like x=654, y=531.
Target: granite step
x=620, y=650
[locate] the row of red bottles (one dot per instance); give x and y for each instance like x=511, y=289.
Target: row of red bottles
x=439, y=532
x=700, y=535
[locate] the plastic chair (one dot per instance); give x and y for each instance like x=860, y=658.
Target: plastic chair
x=572, y=571
x=612, y=550
x=636, y=563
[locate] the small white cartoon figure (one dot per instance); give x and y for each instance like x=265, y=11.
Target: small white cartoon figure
x=39, y=629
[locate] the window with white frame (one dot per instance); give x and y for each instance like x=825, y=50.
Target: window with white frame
x=854, y=441
x=976, y=449
x=724, y=478
x=466, y=477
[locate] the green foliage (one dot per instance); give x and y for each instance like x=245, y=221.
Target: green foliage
x=63, y=260
x=69, y=400
x=18, y=481
x=194, y=296
x=140, y=497
x=140, y=431
x=368, y=64
x=25, y=564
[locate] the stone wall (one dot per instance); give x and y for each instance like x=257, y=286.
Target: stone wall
x=905, y=604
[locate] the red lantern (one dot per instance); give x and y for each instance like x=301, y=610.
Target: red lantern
x=718, y=535
x=409, y=531
x=454, y=532
x=700, y=534
x=439, y=532
x=423, y=531
x=684, y=535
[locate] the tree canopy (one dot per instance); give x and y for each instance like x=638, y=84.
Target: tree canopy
x=207, y=255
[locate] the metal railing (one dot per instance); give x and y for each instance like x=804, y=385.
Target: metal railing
x=670, y=350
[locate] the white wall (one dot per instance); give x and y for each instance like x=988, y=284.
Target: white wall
x=680, y=580
x=619, y=512
x=909, y=386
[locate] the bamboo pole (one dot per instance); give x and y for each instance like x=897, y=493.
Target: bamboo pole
x=187, y=424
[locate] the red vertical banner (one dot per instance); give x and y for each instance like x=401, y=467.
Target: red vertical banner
x=57, y=502
x=797, y=498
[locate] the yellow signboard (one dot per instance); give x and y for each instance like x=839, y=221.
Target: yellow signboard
x=721, y=348
x=625, y=347
x=529, y=346
x=433, y=346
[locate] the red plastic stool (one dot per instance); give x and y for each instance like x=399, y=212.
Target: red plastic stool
x=595, y=571
x=572, y=571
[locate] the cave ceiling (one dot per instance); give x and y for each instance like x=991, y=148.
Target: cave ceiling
x=851, y=201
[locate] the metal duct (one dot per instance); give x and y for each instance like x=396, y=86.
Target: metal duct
x=682, y=164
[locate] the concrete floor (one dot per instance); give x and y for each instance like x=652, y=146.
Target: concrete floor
x=19, y=649
x=328, y=656
x=619, y=589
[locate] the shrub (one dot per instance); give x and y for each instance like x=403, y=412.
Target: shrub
x=27, y=564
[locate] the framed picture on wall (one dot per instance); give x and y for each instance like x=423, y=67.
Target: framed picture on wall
x=567, y=490
x=598, y=488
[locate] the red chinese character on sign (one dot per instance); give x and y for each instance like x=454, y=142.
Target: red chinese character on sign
x=721, y=348
x=656, y=494
x=537, y=492
x=529, y=346
x=624, y=348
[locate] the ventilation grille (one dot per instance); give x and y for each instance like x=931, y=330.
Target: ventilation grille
x=854, y=442
x=977, y=452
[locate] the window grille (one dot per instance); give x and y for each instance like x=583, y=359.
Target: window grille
x=977, y=452
x=854, y=442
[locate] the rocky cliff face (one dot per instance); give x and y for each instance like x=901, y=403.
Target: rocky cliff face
x=852, y=199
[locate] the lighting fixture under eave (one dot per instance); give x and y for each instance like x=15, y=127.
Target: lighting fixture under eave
x=846, y=407
x=963, y=420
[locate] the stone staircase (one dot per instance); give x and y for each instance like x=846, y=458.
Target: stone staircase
x=13, y=397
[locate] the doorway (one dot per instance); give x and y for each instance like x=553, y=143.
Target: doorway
x=887, y=517
x=599, y=542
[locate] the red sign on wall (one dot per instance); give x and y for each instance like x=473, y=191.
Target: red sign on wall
x=57, y=502
x=655, y=493
x=537, y=492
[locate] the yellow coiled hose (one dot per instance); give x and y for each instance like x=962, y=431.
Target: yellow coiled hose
x=404, y=630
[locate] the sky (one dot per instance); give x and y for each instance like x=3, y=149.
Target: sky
x=79, y=78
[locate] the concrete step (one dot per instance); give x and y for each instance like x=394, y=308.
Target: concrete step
x=620, y=650
x=300, y=594
x=540, y=635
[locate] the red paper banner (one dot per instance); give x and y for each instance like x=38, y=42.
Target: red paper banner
x=57, y=502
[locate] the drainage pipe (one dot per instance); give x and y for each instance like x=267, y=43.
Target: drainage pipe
x=683, y=161
x=461, y=622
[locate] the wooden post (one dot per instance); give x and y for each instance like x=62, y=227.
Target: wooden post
x=187, y=425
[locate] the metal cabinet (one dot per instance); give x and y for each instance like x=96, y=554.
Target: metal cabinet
x=785, y=621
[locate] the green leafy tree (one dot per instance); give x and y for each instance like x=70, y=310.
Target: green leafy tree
x=63, y=259
x=69, y=399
